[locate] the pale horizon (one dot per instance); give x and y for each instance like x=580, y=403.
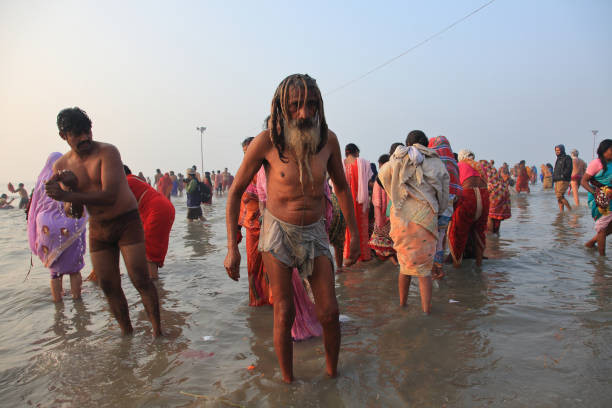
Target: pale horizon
x=509, y=83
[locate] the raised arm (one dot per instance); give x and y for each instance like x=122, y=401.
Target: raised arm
x=252, y=161
x=345, y=198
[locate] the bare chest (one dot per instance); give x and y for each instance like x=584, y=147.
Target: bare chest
x=289, y=175
x=88, y=173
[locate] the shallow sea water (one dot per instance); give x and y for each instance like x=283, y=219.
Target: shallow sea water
x=532, y=327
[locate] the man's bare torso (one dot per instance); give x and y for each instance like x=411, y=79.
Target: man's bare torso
x=579, y=166
x=285, y=198
x=88, y=170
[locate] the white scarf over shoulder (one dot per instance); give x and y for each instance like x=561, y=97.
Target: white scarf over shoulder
x=416, y=172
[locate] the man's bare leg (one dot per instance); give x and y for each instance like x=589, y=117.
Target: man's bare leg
x=106, y=265
x=76, y=281
x=425, y=289
x=575, y=187
x=322, y=283
x=339, y=256
x=563, y=203
x=403, y=283
x=284, y=312
x=135, y=260
x=152, y=266
x=56, y=289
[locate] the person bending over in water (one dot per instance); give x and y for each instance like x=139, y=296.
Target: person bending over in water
x=4, y=201
x=114, y=222
x=597, y=180
x=296, y=151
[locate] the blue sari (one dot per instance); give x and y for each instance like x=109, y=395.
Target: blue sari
x=605, y=178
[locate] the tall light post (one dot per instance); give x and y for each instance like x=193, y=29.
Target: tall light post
x=201, y=129
x=595, y=132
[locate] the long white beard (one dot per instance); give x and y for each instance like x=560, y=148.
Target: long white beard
x=303, y=144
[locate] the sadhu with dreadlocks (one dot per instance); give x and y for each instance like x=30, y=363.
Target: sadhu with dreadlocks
x=296, y=151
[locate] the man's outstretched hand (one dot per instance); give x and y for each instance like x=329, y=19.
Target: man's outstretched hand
x=232, y=263
x=354, y=250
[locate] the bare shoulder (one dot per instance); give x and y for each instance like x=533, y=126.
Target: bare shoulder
x=62, y=162
x=107, y=148
x=332, y=139
x=261, y=145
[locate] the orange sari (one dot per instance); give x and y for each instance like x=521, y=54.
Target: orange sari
x=259, y=290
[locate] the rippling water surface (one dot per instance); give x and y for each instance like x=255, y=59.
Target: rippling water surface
x=532, y=327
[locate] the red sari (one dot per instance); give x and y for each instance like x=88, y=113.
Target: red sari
x=259, y=291
x=157, y=215
x=361, y=215
x=522, y=180
x=470, y=218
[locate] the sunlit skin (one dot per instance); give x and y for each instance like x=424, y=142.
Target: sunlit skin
x=292, y=204
x=562, y=201
x=600, y=237
x=96, y=173
x=578, y=169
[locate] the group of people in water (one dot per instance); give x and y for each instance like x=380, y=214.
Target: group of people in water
x=296, y=197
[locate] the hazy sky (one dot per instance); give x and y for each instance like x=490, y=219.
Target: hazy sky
x=509, y=83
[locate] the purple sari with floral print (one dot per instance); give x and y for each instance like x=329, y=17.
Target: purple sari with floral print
x=59, y=241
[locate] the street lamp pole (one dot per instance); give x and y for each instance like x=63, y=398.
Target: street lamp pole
x=595, y=132
x=201, y=129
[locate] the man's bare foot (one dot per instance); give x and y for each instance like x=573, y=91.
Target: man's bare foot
x=590, y=244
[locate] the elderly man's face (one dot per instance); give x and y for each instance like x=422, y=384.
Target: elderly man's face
x=300, y=110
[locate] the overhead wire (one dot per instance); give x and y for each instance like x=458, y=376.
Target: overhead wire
x=414, y=47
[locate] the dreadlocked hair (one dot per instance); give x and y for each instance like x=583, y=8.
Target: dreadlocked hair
x=279, y=111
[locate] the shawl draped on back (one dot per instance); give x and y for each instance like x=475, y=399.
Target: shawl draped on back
x=442, y=146
x=416, y=172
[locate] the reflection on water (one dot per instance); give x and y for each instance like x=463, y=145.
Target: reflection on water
x=532, y=327
x=197, y=236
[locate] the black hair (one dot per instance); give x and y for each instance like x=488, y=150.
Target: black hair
x=603, y=147
x=417, y=136
x=247, y=141
x=74, y=120
x=457, y=157
x=127, y=170
x=383, y=159
x=351, y=149
x=393, y=147
x=265, y=123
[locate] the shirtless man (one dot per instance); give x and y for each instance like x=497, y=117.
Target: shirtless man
x=23, y=195
x=578, y=168
x=114, y=223
x=296, y=152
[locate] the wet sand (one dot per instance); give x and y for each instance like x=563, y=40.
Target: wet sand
x=532, y=327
